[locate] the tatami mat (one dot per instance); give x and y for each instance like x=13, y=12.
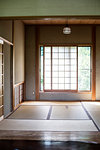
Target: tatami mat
x=96, y=117
x=68, y=112
x=93, y=109
x=64, y=116
x=47, y=125
x=50, y=103
x=92, y=106
x=42, y=112
x=31, y=112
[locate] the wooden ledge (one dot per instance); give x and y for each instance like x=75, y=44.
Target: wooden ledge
x=50, y=136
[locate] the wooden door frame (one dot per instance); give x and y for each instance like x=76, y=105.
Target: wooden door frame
x=94, y=63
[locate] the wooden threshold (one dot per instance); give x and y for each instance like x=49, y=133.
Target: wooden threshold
x=50, y=136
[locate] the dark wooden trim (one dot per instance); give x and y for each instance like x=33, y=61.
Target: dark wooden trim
x=68, y=44
x=60, y=101
x=78, y=25
x=94, y=63
x=53, y=17
x=71, y=91
x=37, y=64
x=11, y=78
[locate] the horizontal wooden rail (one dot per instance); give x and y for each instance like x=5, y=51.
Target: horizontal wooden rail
x=17, y=84
x=6, y=41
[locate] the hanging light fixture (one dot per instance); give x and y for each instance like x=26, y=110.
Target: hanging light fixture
x=67, y=29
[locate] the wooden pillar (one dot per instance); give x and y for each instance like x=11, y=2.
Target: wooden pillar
x=12, y=68
x=37, y=64
x=11, y=78
x=94, y=63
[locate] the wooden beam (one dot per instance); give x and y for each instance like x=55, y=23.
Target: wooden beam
x=62, y=21
x=37, y=64
x=94, y=63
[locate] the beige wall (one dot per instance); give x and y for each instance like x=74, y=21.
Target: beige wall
x=6, y=30
x=53, y=35
x=30, y=62
x=18, y=52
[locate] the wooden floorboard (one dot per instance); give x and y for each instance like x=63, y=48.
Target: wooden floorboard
x=50, y=136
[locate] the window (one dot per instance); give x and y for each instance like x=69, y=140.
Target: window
x=65, y=68
x=84, y=68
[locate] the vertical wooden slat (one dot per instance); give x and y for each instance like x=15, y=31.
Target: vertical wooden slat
x=43, y=67
x=77, y=68
x=37, y=64
x=64, y=68
x=58, y=67
x=94, y=63
x=69, y=67
x=51, y=67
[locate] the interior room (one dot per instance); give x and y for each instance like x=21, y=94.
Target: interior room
x=49, y=72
